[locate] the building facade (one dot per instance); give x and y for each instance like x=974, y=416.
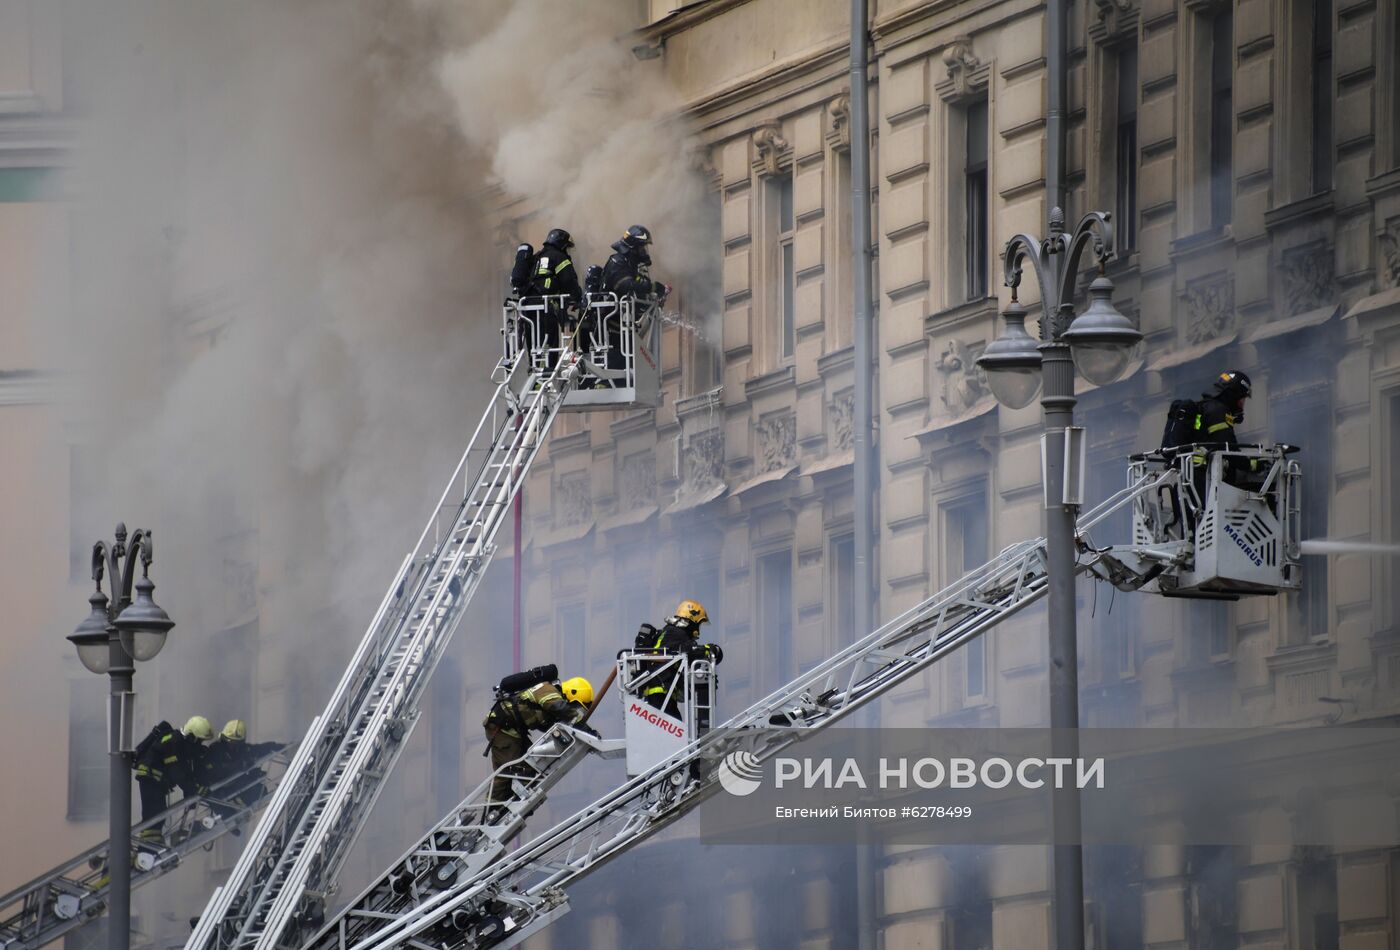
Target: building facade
x=1248, y=152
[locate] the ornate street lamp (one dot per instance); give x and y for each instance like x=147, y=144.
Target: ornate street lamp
x=1099, y=342
x=109, y=639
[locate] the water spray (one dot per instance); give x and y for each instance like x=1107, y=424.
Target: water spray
x=1324, y=546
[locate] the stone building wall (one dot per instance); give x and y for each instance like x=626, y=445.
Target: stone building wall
x=1264, y=263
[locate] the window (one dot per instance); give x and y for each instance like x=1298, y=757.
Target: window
x=843, y=592
x=975, y=189
x=87, y=750
x=1393, y=563
x=1306, y=421
x=701, y=303
x=1222, y=118
x=1213, y=913
x=1316, y=926
x=965, y=548
x=1125, y=203
x=1322, y=153
x=843, y=333
x=780, y=188
x=570, y=629
x=775, y=613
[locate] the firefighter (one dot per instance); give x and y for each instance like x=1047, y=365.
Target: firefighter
x=627, y=275
x=231, y=754
x=681, y=634
x=1214, y=428
x=552, y=274
x=166, y=759
x=537, y=707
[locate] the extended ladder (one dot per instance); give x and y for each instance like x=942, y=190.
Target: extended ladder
x=75, y=892
x=521, y=894
x=467, y=840
x=288, y=868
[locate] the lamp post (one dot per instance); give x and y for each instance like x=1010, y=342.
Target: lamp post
x=1099, y=342
x=110, y=640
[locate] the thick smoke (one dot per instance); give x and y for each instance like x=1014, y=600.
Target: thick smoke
x=287, y=268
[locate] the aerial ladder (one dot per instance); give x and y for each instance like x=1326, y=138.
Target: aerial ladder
x=75, y=892
x=1191, y=537
x=600, y=357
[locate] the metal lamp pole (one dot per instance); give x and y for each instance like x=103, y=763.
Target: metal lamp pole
x=112, y=638
x=1099, y=342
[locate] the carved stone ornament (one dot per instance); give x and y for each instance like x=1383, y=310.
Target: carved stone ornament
x=964, y=383
x=636, y=482
x=1210, y=308
x=702, y=161
x=777, y=441
x=1308, y=273
x=1389, y=241
x=842, y=415
x=967, y=74
x=838, y=122
x=770, y=150
x=704, y=462
x=1114, y=19
x=573, y=499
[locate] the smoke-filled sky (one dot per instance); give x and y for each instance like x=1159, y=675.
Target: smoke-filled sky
x=316, y=179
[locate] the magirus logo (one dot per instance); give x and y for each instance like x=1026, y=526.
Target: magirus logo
x=740, y=773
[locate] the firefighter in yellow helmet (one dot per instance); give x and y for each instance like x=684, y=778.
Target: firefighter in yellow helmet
x=680, y=634
x=231, y=754
x=522, y=705
x=166, y=759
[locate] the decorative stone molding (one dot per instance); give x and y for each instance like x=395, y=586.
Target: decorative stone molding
x=573, y=499
x=770, y=150
x=636, y=482
x=838, y=123
x=968, y=76
x=964, y=383
x=777, y=442
x=704, y=462
x=841, y=414
x=1114, y=20
x=1210, y=308
x=1308, y=273
x=703, y=163
x=1389, y=263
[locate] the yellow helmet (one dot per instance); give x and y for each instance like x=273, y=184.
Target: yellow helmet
x=577, y=690
x=235, y=730
x=691, y=610
x=199, y=727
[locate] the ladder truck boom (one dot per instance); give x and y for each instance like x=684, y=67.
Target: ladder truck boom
x=75, y=893
x=287, y=873
x=521, y=894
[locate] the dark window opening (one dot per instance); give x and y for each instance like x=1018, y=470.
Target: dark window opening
x=1214, y=909
x=975, y=186
x=1394, y=562
x=1127, y=149
x=1310, y=424
x=843, y=591
x=787, y=290
x=965, y=548
x=775, y=613
x=1222, y=119
x=1322, y=152
x=1317, y=926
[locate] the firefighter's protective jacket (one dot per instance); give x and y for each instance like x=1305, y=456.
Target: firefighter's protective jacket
x=170, y=758
x=553, y=273
x=538, y=708
x=625, y=273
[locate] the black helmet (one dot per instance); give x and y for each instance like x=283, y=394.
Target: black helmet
x=636, y=237
x=1232, y=385
x=559, y=238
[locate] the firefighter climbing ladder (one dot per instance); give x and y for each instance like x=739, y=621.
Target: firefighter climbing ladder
x=75, y=892
x=521, y=894
x=468, y=839
x=288, y=868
